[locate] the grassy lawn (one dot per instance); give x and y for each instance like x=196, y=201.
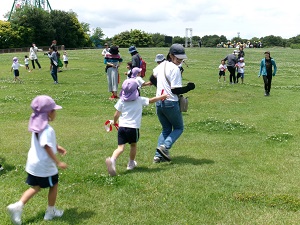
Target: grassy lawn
x=237, y=162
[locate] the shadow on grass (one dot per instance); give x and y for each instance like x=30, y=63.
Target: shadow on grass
x=70, y=216
x=144, y=169
x=189, y=160
x=6, y=167
x=175, y=160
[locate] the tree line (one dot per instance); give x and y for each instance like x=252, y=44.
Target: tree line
x=29, y=25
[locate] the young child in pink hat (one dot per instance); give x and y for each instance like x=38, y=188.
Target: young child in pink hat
x=42, y=162
x=129, y=113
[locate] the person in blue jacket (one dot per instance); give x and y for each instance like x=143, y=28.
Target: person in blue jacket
x=266, y=70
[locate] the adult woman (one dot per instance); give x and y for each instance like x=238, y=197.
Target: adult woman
x=267, y=72
x=231, y=62
x=112, y=60
x=169, y=81
x=54, y=63
x=33, y=56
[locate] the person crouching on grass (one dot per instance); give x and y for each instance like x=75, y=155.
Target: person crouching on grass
x=42, y=162
x=129, y=113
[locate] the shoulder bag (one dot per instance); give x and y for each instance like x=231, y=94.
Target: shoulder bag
x=183, y=101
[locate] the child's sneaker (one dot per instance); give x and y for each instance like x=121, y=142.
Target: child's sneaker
x=131, y=165
x=110, y=167
x=50, y=214
x=15, y=212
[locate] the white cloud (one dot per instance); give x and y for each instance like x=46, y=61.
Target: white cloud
x=254, y=18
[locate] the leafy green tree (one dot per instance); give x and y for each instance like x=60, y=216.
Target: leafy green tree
x=212, y=40
x=33, y=25
x=137, y=38
x=122, y=39
x=97, y=37
x=85, y=27
x=158, y=40
x=68, y=30
x=270, y=41
x=179, y=40
x=9, y=38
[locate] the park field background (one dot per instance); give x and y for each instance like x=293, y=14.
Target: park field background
x=237, y=162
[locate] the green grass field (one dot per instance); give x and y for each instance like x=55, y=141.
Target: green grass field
x=237, y=162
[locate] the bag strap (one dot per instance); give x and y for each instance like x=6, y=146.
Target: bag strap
x=166, y=75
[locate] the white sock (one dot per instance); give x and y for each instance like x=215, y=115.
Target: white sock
x=50, y=208
x=113, y=161
x=19, y=204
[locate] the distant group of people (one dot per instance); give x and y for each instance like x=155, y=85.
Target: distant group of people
x=248, y=44
x=236, y=64
x=53, y=54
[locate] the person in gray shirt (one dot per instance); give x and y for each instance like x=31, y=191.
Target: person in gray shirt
x=231, y=62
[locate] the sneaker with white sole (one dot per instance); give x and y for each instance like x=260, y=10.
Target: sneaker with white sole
x=157, y=159
x=131, y=165
x=163, y=152
x=50, y=214
x=15, y=212
x=110, y=167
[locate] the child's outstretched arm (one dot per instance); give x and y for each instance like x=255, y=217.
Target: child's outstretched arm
x=54, y=158
x=157, y=98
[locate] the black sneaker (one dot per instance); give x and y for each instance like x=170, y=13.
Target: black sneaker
x=163, y=152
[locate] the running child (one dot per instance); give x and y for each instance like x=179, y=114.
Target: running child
x=42, y=163
x=129, y=113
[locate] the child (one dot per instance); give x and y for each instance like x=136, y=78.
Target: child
x=15, y=67
x=129, y=68
x=136, y=73
x=222, y=70
x=41, y=163
x=26, y=62
x=240, y=67
x=129, y=109
x=65, y=59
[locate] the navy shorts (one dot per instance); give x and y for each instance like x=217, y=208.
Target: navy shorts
x=221, y=73
x=66, y=62
x=16, y=72
x=43, y=182
x=128, y=135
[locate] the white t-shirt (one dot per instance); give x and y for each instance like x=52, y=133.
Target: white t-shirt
x=65, y=58
x=140, y=81
x=131, y=112
x=33, y=53
x=241, y=66
x=15, y=66
x=38, y=162
x=26, y=61
x=222, y=67
x=173, y=74
x=104, y=51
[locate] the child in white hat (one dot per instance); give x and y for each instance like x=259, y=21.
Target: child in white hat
x=15, y=67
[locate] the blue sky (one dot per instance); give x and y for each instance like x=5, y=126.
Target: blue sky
x=171, y=17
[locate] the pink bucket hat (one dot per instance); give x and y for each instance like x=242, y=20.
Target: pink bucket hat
x=129, y=90
x=41, y=106
x=135, y=72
